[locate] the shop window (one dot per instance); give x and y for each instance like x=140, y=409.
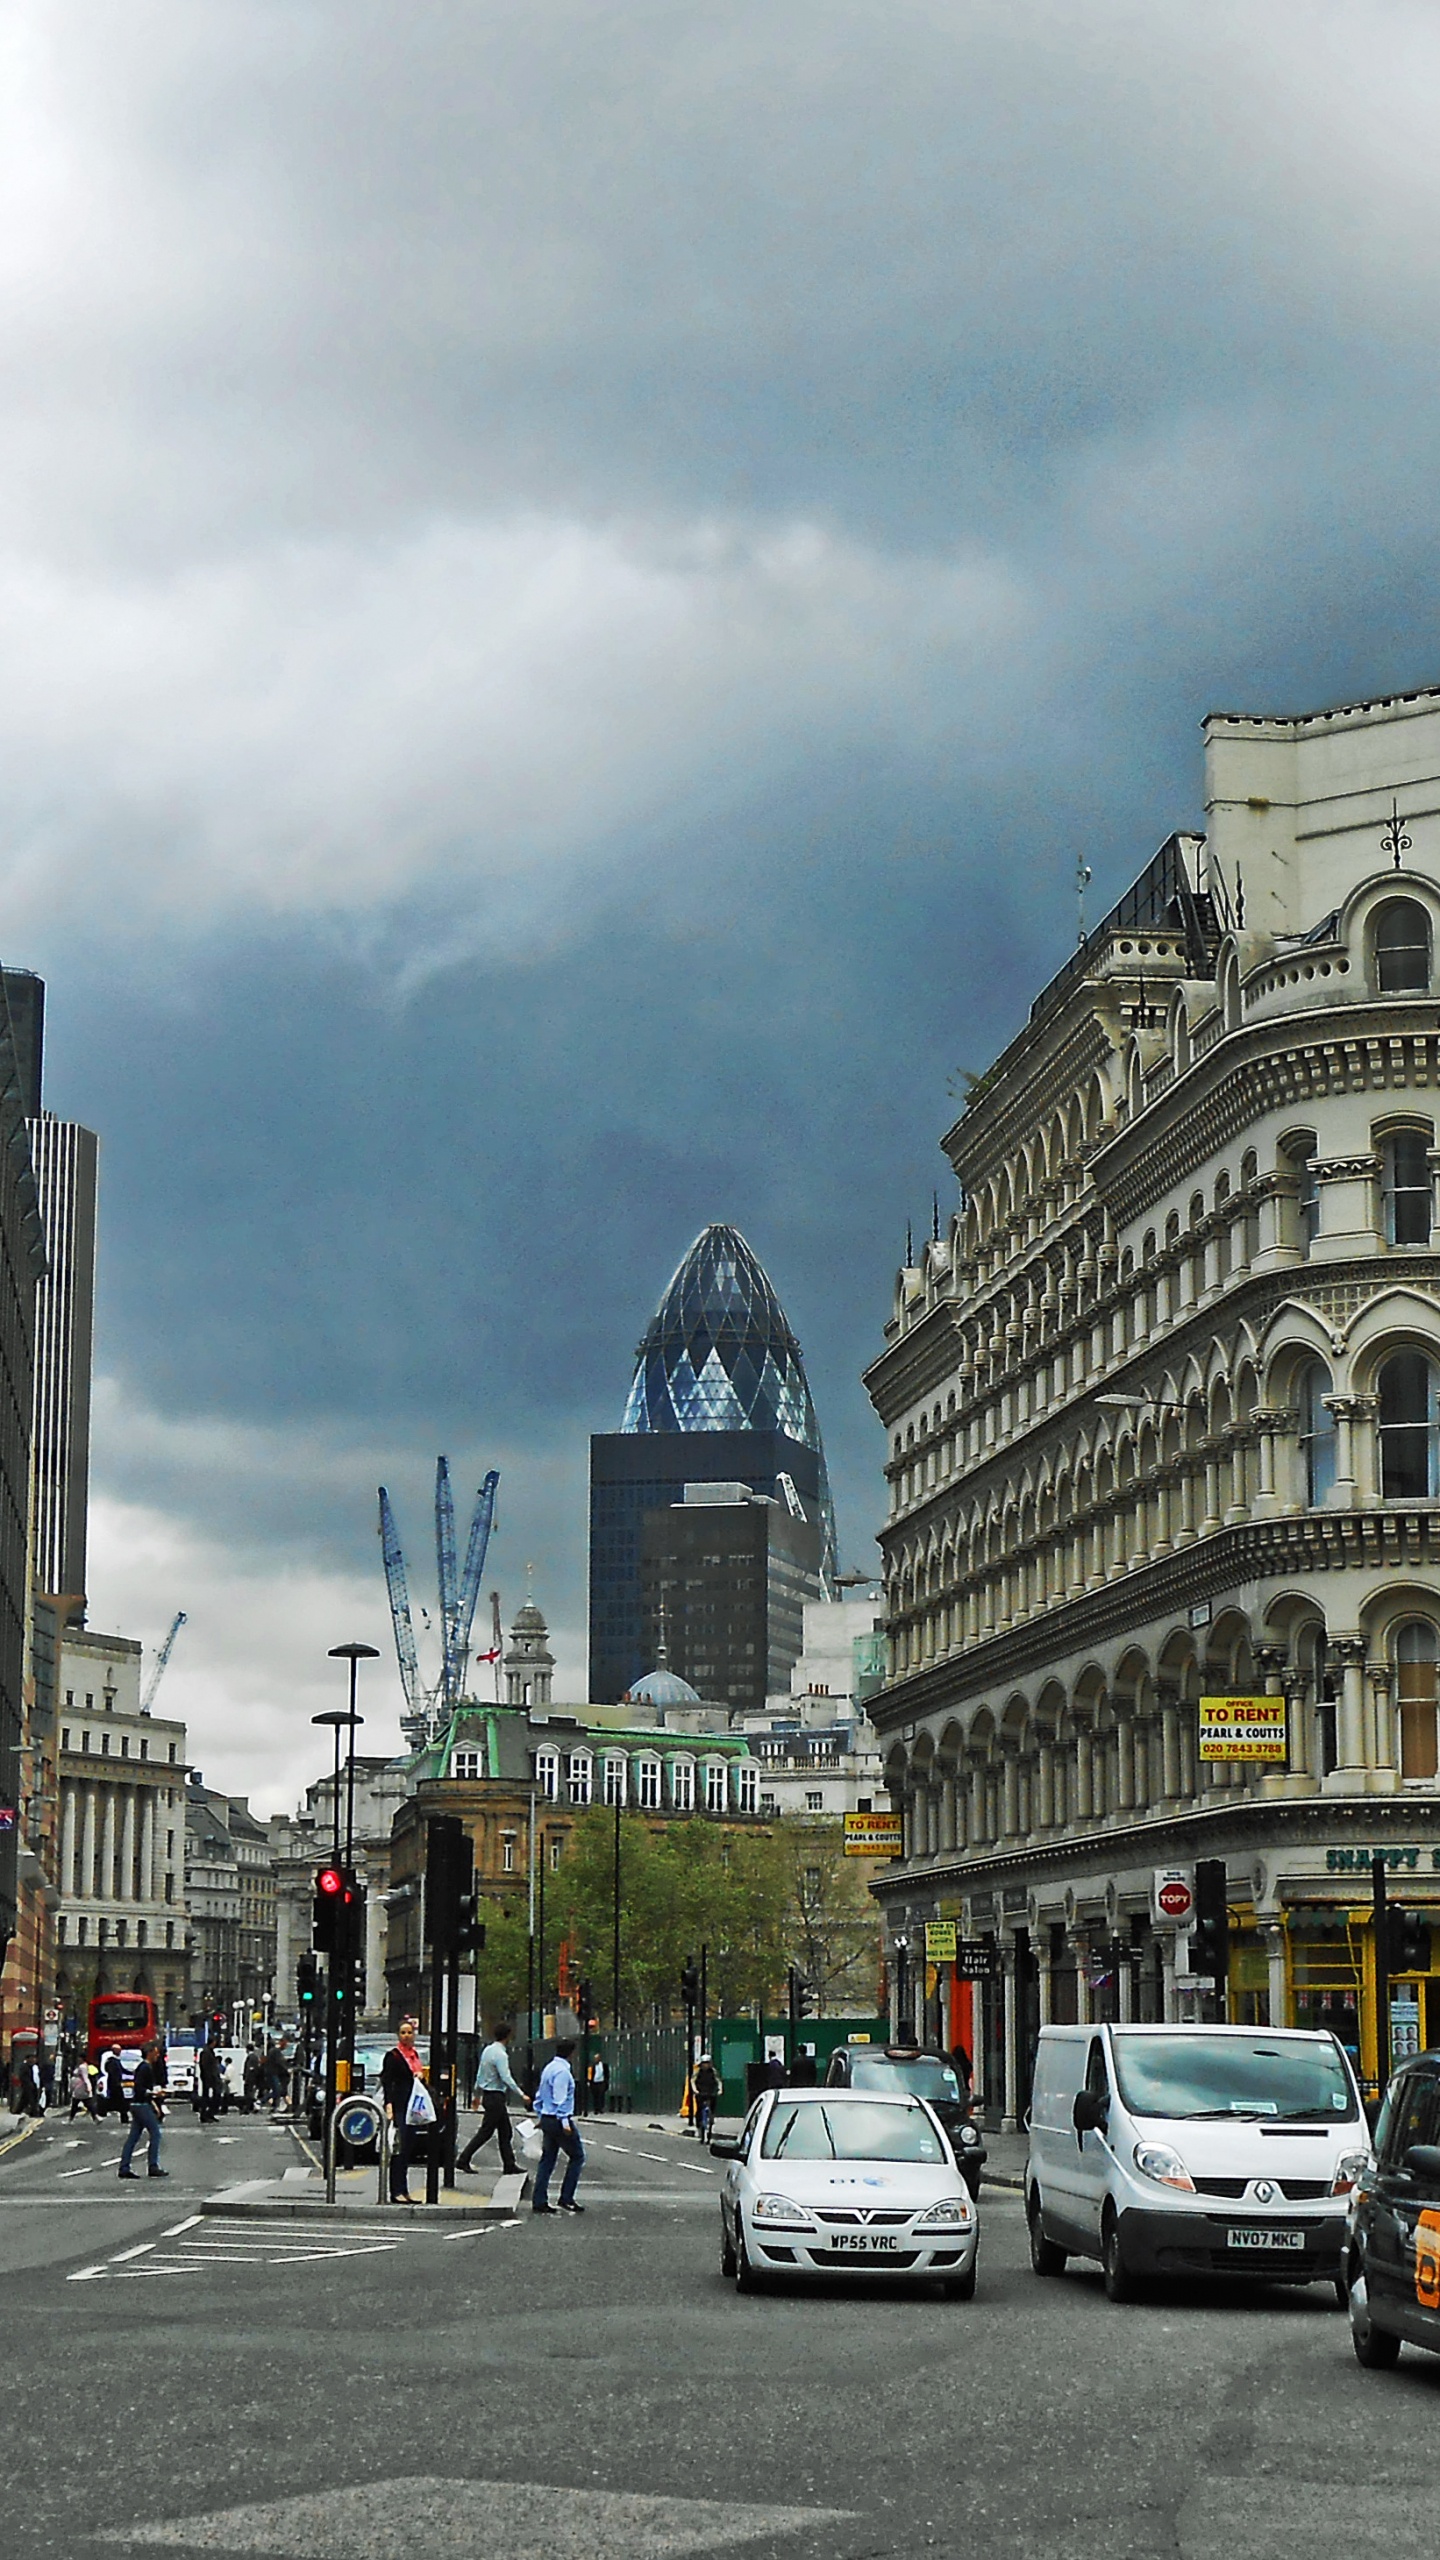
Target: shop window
x=1317, y=1433
x=1406, y=1186
x=1402, y=948
x=1415, y=1683
x=1409, y=1413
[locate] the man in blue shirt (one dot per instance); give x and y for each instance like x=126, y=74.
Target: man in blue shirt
x=555, y=2107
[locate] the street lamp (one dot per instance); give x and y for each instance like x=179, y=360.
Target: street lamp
x=354, y=1654
x=340, y=2020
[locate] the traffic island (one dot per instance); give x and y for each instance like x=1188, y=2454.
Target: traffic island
x=299, y=2195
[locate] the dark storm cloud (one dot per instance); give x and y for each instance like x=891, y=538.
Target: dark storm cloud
x=573, y=584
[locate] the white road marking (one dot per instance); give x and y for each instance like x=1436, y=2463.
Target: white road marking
x=380, y=2515
x=654, y=2155
x=87, y=2172
x=139, y=2251
x=177, y=2227
x=85, y=2275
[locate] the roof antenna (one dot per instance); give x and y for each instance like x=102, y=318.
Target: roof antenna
x=935, y=1217
x=909, y=1247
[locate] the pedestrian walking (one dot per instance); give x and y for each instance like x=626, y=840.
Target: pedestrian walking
x=705, y=2090
x=277, y=2078
x=147, y=2114
x=82, y=2090
x=253, y=2075
x=555, y=2107
x=599, y=2082
x=400, y=2073
x=495, y=2085
x=114, y=2070
x=30, y=2092
x=212, y=2084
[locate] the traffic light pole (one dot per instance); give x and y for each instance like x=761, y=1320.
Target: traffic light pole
x=1380, y=1892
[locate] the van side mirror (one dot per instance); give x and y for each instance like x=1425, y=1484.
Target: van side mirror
x=724, y=2146
x=1090, y=2111
x=1422, y=2160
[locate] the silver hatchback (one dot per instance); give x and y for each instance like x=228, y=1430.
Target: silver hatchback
x=827, y=2182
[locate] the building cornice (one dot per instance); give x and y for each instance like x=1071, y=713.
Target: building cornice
x=1212, y=1568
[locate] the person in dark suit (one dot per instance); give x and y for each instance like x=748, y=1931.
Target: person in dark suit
x=399, y=2071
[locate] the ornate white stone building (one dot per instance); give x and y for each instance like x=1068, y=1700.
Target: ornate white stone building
x=1163, y=1410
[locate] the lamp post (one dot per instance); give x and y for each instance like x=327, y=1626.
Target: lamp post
x=340, y=2018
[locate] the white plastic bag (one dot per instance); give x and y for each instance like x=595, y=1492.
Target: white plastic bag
x=530, y=2139
x=421, y=2109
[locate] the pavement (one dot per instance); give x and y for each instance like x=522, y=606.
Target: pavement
x=518, y=2389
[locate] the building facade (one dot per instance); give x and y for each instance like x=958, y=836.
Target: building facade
x=719, y=1396
x=724, y=1577
x=818, y=1752
x=66, y=1159
x=1163, y=1413
x=23, y=1820
x=301, y=1842
x=231, y=1904
x=122, y=1923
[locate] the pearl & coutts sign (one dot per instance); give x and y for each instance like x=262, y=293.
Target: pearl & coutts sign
x=1243, y=1729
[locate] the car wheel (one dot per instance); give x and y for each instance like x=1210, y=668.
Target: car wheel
x=1342, y=2295
x=746, y=2280
x=961, y=2288
x=1120, y=2284
x=1377, y=2349
x=727, y=2247
x=1047, y=2258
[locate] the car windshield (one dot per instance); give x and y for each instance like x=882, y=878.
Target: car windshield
x=821, y=2129
x=1229, y=2075
x=922, y=2073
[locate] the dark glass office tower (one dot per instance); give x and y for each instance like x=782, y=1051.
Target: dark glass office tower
x=724, y=1578
x=719, y=1396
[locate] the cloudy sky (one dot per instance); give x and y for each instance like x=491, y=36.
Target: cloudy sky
x=574, y=580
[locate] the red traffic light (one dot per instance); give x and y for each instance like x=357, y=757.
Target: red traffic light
x=330, y=1881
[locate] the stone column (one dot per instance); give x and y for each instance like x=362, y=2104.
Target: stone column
x=1045, y=1809
x=127, y=1846
x=89, y=1841
x=1163, y=1486
x=149, y=1892
x=1080, y=1949
x=947, y=1812
x=1044, y=1982
x=1267, y=1423
x=1010, y=1791
x=1297, y=1724
x=1084, y=1772
x=1211, y=1521
x=69, y=1839
x=1348, y=1411
x=1275, y=1960
x=1125, y=1764
x=1348, y=1778
x=107, y=1845
x=1384, y=1753
x=1170, y=1751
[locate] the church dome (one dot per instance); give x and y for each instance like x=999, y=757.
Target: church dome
x=529, y=1621
x=663, y=1689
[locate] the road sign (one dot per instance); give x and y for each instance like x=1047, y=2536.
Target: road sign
x=1172, y=1897
x=52, y=2017
x=873, y=1835
x=1194, y=1981
x=1243, y=1729
x=939, y=1941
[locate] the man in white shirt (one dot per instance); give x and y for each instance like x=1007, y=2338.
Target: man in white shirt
x=495, y=2084
x=555, y=2107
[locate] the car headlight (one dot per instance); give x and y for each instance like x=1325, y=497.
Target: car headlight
x=1348, y=2171
x=780, y=2209
x=949, y=2210
x=1155, y=2160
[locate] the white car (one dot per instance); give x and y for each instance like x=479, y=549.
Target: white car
x=830, y=2182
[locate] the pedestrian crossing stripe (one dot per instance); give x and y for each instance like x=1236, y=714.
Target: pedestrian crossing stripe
x=480, y=2520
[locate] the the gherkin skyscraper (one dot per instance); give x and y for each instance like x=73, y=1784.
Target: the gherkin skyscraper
x=719, y=1399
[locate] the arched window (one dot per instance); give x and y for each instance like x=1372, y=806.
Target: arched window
x=614, y=1777
x=1409, y=1415
x=547, y=1773
x=1415, y=1683
x=1402, y=948
x=1406, y=1180
x=682, y=1785
x=582, y=1777
x=1299, y=1152
x=648, y=1772
x=1317, y=1433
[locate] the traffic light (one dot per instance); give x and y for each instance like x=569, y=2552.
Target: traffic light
x=307, y=1981
x=329, y=1901
x=470, y=1928
x=1210, y=1935
x=1408, y=1933
x=690, y=1983
x=449, y=1876
x=586, y=2005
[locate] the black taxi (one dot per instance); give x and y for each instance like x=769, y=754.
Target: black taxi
x=1392, y=2245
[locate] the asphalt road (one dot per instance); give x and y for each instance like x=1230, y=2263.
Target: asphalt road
x=593, y=2388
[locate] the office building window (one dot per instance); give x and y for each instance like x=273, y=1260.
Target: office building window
x=814, y=1801
x=747, y=1788
x=1409, y=1428
x=649, y=1776
x=1406, y=1183
x=547, y=1773
x=507, y=1853
x=582, y=1777
x=1402, y=948
x=1317, y=1433
x=715, y=1786
x=682, y=1785
x=1415, y=1679
x=614, y=1778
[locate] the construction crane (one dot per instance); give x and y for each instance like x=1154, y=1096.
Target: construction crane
x=157, y=1669
x=427, y=1707
x=400, y=1617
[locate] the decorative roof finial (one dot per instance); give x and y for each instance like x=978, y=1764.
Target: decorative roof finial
x=1394, y=841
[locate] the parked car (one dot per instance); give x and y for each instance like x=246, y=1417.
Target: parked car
x=1392, y=2246
x=924, y=2075
x=1169, y=2150
x=824, y=2182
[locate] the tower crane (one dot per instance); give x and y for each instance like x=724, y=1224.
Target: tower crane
x=457, y=1594
x=158, y=1666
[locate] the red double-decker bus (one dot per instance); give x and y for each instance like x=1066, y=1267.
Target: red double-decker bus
x=123, y=2022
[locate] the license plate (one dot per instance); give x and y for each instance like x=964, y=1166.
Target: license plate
x=866, y=2242
x=1248, y=2235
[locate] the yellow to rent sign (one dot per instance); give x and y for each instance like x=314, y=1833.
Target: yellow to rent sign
x=872, y=1835
x=939, y=1941
x=1243, y=1729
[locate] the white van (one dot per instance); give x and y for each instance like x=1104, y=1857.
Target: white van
x=1192, y=2151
